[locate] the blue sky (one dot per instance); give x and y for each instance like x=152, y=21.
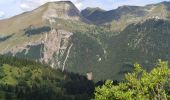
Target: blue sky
x=9, y=8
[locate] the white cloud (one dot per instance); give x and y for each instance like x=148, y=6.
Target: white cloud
x=79, y=5
x=2, y=14
x=24, y=6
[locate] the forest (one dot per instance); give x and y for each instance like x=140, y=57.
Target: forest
x=23, y=79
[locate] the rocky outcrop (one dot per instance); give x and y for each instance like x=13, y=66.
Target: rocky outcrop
x=51, y=47
x=63, y=10
x=55, y=45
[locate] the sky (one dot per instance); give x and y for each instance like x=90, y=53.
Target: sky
x=9, y=8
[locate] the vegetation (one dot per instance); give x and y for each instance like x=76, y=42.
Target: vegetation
x=2, y=39
x=33, y=31
x=22, y=79
x=110, y=55
x=84, y=52
x=139, y=85
x=143, y=43
x=109, y=49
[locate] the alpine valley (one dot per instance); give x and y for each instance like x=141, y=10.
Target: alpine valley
x=104, y=43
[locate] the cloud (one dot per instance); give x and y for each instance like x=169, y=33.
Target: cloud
x=78, y=4
x=2, y=14
x=25, y=6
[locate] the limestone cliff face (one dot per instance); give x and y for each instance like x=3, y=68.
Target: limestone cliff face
x=55, y=43
x=49, y=47
x=62, y=9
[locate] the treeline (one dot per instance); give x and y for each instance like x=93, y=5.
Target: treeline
x=18, y=62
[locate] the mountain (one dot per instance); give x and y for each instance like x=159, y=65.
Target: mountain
x=44, y=15
x=107, y=16
x=42, y=33
x=143, y=43
x=112, y=56
x=104, y=43
x=121, y=17
x=93, y=14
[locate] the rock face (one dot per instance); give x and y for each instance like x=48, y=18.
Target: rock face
x=55, y=44
x=63, y=9
x=50, y=45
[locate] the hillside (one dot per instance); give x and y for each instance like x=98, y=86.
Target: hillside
x=143, y=43
x=93, y=14
x=121, y=17
x=113, y=56
x=58, y=35
x=22, y=79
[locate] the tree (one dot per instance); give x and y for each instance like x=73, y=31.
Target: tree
x=139, y=85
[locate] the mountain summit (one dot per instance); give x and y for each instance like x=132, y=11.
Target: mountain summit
x=61, y=9
x=47, y=13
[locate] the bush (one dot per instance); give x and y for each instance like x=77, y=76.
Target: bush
x=139, y=85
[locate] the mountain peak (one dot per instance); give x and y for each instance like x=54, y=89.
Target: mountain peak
x=88, y=11
x=60, y=2
x=68, y=2
x=61, y=9
x=47, y=13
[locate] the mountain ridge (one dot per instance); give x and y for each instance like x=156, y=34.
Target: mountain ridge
x=125, y=15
